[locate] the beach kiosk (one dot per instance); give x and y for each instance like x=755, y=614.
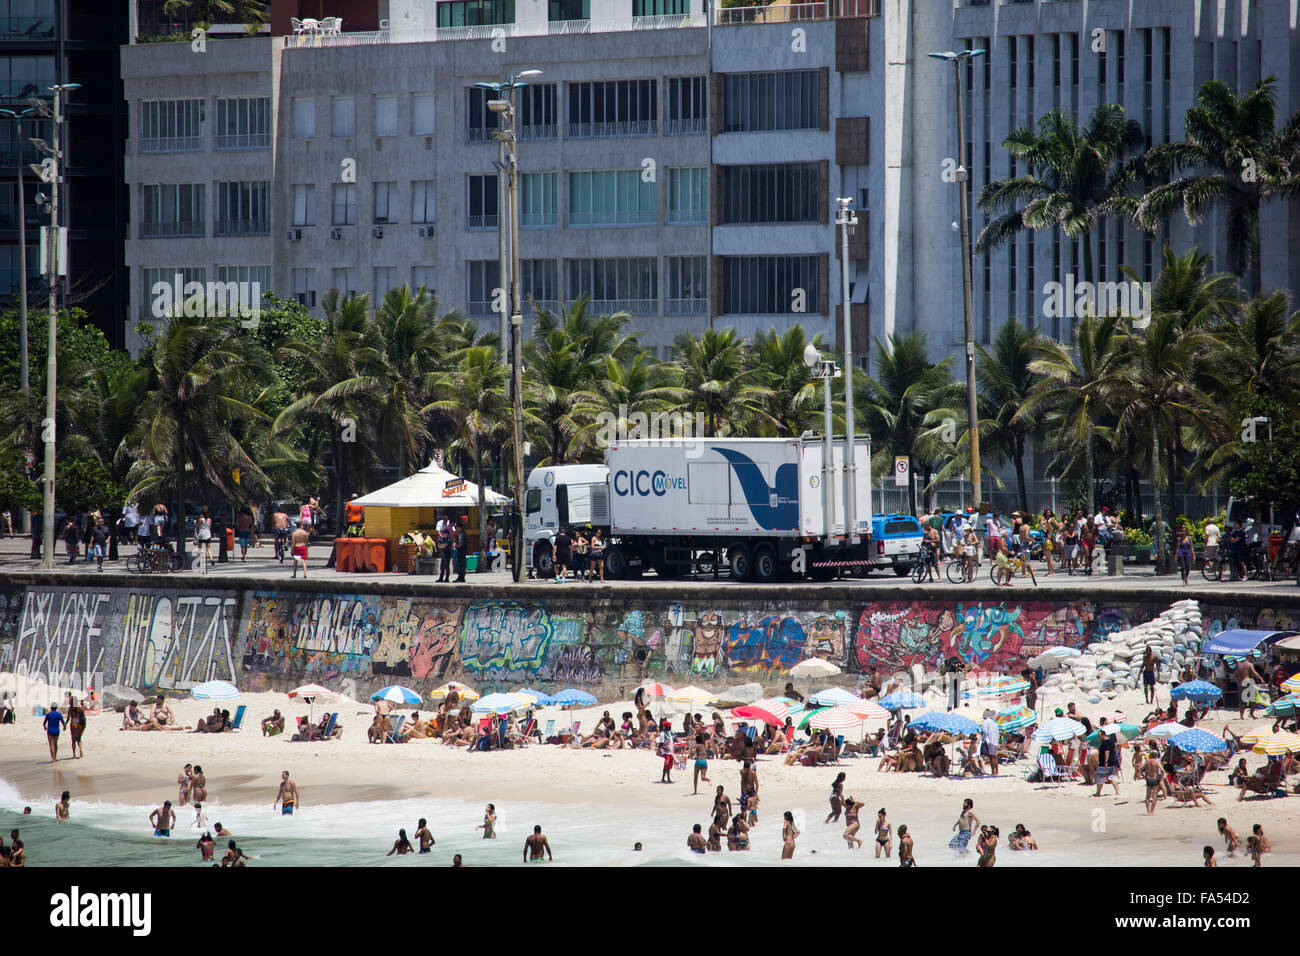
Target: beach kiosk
x=416, y=504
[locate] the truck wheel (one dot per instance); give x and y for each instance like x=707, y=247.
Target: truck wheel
x=615, y=563
x=738, y=558
x=543, y=565
x=764, y=564
x=902, y=570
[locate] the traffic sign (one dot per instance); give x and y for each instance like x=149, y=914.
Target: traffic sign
x=902, y=468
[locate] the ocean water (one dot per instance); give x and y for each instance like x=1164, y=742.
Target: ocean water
x=360, y=834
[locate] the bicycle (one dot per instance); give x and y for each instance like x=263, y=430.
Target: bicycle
x=929, y=560
x=960, y=571
x=281, y=539
x=1020, y=563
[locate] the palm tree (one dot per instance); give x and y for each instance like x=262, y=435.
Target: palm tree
x=1233, y=155
x=720, y=381
x=642, y=387
x=1077, y=175
x=1006, y=382
x=206, y=377
x=794, y=403
x=105, y=406
x=1259, y=352
x=251, y=13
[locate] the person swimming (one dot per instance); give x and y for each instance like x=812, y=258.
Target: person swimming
x=401, y=846
x=423, y=836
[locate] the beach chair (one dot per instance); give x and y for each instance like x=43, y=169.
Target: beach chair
x=1269, y=785
x=839, y=748
x=394, y=735
x=328, y=732
x=1050, y=771
x=520, y=737
x=239, y=717
x=549, y=732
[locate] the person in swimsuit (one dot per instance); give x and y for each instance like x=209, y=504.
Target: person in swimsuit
x=788, y=835
x=987, y=847
x=695, y=842
x=535, y=846
x=749, y=792
x=1154, y=775
x=401, y=846
x=301, y=536
x=1252, y=848
x=199, y=785
x=738, y=833
x=54, y=724
x=206, y=846
x=219, y=830
x=163, y=819
x=716, y=829
x=884, y=839
x=1207, y=854
x=423, y=836
x=1258, y=832
x=965, y=824
x=184, y=784
x=63, y=807
x=1230, y=838
x=287, y=798
x=851, y=810
x=701, y=771
x=18, y=855
x=200, y=818
x=489, y=826
x=234, y=856
x=76, y=727
x=837, y=799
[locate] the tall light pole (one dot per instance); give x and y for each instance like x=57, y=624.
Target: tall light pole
x=508, y=140
x=53, y=168
x=957, y=59
x=24, y=375
x=847, y=219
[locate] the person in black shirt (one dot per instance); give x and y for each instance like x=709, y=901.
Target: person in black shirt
x=462, y=550
x=563, y=546
x=1107, y=759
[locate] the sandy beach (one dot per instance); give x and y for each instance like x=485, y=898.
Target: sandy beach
x=242, y=769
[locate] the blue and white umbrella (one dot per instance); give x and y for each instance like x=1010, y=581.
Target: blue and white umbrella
x=1197, y=690
x=540, y=698
x=1166, y=730
x=498, y=703
x=215, y=690
x=1197, y=741
x=833, y=697
x=571, y=695
x=1059, y=728
x=951, y=723
x=902, y=700
x=398, y=695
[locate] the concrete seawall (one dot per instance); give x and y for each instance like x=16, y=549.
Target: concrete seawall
x=170, y=634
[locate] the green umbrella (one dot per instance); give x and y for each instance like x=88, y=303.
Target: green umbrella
x=1130, y=731
x=801, y=719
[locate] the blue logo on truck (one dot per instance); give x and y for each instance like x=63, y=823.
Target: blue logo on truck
x=775, y=507
x=645, y=483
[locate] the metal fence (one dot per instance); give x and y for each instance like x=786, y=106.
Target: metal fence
x=1042, y=494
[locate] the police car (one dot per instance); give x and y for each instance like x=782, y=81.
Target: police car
x=898, y=541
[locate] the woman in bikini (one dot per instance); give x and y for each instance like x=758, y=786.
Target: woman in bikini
x=738, y=833
x=788, y=835
x=401, y=846
x=837, y=798
x=184, y=784
x=884, y=837
x=489, y=826
x=987, y=847
x=851, y=810
x=198, y=786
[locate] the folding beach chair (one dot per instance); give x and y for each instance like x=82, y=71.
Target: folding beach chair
x=520, y=737
x=549, y=732
x=1050, y=771
x=394, y=735
x=239, y=717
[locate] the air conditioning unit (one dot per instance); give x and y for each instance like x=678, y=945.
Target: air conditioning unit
x=428, y=142
x=425, y=232
x=379, y=232
x=336, y=233
x=294, y=235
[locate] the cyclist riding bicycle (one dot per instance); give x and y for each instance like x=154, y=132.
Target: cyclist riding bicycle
x=280, y=524
x=930, y=552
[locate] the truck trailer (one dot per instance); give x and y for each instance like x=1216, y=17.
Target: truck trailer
x=761, y=509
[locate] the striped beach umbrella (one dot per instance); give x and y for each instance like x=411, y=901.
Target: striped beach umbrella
x=312, y=691
x=936, y=720
x=215, y=690
x=1198, y=690
x=398, y=695
x=1274, y=744
x=571, y=696
x=1127, y=731
x=1058, y=728
x=835, y=718
x=1166, y=730
x=801, y=719
x=1284, y=706
x=1291, y=684
x=902, y=700
x=498, y=704
x=464, y=690
x=1252, y=736
x=775, y=713
x=691, y=696
x=999, y=686
x=867, y=709
x=656, y=689
x=1016, y=719
x=1197, y=741
x=833, y=697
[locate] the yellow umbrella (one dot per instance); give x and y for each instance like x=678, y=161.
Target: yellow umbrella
x=1278, y=743
x=466, y=692
x=1291, y=684
x=691, y=696
x=1252, y=736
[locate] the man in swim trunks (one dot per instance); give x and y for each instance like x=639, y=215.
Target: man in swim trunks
x=695, y=842
x=273, y=724
x=423, y=836
x=287, y=798
x=163, y=819
x=234, y=856
x=1248, y=681
x=62, y=808
x=1153, y=773
x=905, y=857
x=749, y=792
x=301, y=536
x=537, y=845
x=54, y=723
x=967, y=822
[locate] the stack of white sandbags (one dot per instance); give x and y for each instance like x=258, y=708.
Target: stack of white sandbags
x=1112, y=665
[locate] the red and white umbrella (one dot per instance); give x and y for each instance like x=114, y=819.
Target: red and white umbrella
x=769, y=711
x=655, y=689
x=867, y=710
x=309, y=693
x=836, y=718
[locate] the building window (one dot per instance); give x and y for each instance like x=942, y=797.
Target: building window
x=304, y=286
x=27, y=19
x=386, y=202
x=422, y=208
x=537, y=200
x=422, y=278
x=385, y=279
x=613, y=108
x=660, y=8
x=559, y=11
x=688, y=194
x=385, y=115
x=343, y=116
x=255, y=279
x=242, y=209
x=759, y=102
x=688, y=105
x=472, y=13
x=480, y=121
x=768, y=285
x=615, y=285
x=151, y=276
x=785, y=192
x=482, y=202
x=688, y=285
x=612, y=197
x=304, y=204
x=537, y=112
x=344, y=281
x=304, y=117
x=171, y=126
x=244, y=123
x=482, y=279
x=19, y=71
x=422, y=107
x=344, y=211
x=172, y=210
x=539, y=281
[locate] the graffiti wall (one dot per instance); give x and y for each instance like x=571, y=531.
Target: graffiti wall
x=172, y=638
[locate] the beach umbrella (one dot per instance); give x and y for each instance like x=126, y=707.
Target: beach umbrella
x=1253, y=735
x=1281, y=742
x=656, y=689
x=1166, y=729
x=1291, y=684
x=498, y=703
x=1058, y=728
x=215, y=690
x=572, y=696
x=775, y=714
x=867, y=710
x=1112, y=717
x=691, y=696
x=1197, y=690
x=309, y=693
x=398, y=695
x=801, y=719
x=1127, y=731
x=1016, y=719
x=835, y=718
x=537, y=697
x=465, y=692
x=1284, y=706
x=1053, y=658
x=814, y=667
x=833, y=696
x=999, y=686
x=902, y=700
x=947, y=722
x=1197, y=741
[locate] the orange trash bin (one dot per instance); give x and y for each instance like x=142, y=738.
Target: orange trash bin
x=375, y=554
x=342, y=554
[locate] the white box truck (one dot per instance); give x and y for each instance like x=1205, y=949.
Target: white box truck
x=757, y=507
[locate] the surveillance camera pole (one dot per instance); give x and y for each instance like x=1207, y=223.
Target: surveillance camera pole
x=846, y=219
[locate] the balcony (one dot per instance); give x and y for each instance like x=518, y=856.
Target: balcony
x=796, y=12
x=559, y=28
x=537, y=132
x=26, y=28
x=242, y=227
x=479, y=310
x=538, y=220
x=688, y=217
x=688, y=306
x=613, y=217
x=530, y=306
x=235, y=141
x=613, y=130
x=485, y=221
x=489, y=31
x=631, y=306
x=172, y=144
x=173, y=230
x=686, y=126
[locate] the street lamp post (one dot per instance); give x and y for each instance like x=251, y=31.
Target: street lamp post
x=962, y=175
x=847, y=219
x=1263, y=420
x=24, y=376
x=826, y=371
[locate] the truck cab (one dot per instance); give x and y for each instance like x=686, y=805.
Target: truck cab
x=562, y=496
x=897, y=541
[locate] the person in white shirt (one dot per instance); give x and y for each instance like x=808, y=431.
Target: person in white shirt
x=991, y=732
x=1212, y=535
